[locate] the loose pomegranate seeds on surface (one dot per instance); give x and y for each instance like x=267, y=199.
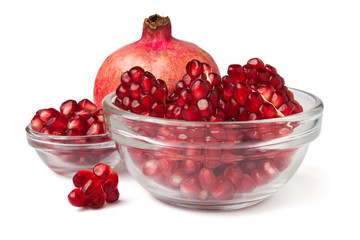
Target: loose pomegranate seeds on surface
x=73, y=119
x=94, y=187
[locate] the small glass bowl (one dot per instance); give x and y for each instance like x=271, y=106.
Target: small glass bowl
x=213, y=165
x=66, y=155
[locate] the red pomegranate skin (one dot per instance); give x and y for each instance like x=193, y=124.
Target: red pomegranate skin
x=157, y=52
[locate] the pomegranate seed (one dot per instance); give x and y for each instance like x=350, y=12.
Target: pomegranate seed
x=112, y=196
x=125, y=79
x=36, y=123
x=228, y=92
x=190, y=187
x=276, y=81
x=194, y=67
x=270, y=169
x=98, y=200
x=278, y=99
x=68, y=107
x=265, y=90
x=207, y=178
x=58, y=132
x=267, y=110
x=223, y=189
x=234, y=173
x=46, y=130
x=177, y=178
x=190, y=167
x=56, y=122
x=282, y=162
x=263, y=76
x=241, y=93
x=136, y=74
x=199, y=89
x=253, y=102
x=270, y=69
x=168, y=167
x=135, y=90
x=91, y=187
x=102, y=170
x=287, y=108
x=256, y=63
x=236, y=72
x=245, y=184
x=72, y=132
x=190, y=112
x=46, y=114
x=85, y=114
x=77, y=123
x=76, y=198
x=148, y=81
x=87, y=105
x=259, y=176
x=248, y=166
x=110, y=182
x=122, y=91
x=81, y=177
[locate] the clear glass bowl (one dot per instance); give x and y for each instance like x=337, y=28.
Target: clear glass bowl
x=66, y=155
x=213, y=165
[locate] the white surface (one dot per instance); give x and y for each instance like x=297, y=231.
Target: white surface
x=51, y=51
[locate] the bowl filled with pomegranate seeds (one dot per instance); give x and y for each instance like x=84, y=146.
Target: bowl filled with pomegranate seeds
x=213, y=142
x=71, y=138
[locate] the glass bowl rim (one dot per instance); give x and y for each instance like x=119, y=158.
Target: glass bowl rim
x=314, y=110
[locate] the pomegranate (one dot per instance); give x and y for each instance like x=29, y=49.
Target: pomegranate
x=94, y=187
x=156, y=51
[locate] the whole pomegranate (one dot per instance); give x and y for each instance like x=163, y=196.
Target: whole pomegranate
x=157, y=52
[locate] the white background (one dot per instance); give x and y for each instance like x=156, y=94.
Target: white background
x=50, y=51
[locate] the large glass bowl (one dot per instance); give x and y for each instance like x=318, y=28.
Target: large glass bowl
x=213, y=165
x=67, y=155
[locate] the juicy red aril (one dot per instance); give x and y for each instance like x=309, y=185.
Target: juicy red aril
x=36, y=123
x=177, y=178
x=46, y=114
x=267, y=110
x=190, y=187
x=207, y=178
x=190, y=167
x=136, y=74
x=56, y=123
x=95, y=129
x=168, y=167
x=190, y=112
x=68, y=107
x=76, y=198
x=94, y=187
x=256, y=63
x=242, y=91
x=199, y=89
x=87, y=105
x=234, y=173
x=236, y=72
x=245, y=184
x=148, y=81
x=223, y=189
x=194, y=67
x=77, y=123
x=253, y=102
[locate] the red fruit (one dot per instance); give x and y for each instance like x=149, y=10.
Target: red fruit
x=56, y=123
x=94, y=187
x=233, y=173
x=236, y=72
x=256, y=63
x=177, y=178
x=76, y=198
x=102, y=170
x=87, y=105
x=223, y=189
x=141, y=93
x=245, y=184
x=190, y=167
x=157, y=52
x=95, y=129
x=36, y=123
x=190, y=187
x=168, y=167
x=260, y=177
x=207, y=178
x=68, y=107
x=46, y=114
x=270, y=168
x=77, y=123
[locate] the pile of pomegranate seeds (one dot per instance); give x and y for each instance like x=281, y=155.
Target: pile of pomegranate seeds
x=250, y=92
x=73, y=119
x=205, y=179
x=140, y=92
x=94, y=187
